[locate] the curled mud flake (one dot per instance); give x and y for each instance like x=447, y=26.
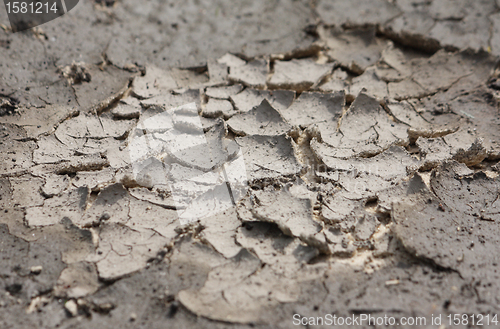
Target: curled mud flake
x=284, y=254
x=253, y=74
x=156, y=82
x=218, y=108
x=356, y=13
x=323, y=110
x=231, y=61
x=250, y=98
x=474, y=195
x=223, y=92
x=393, y=163
x=261, y=120
x=126, y=110
x=169, y=100
x=355, y=50
x=299, y=75
x=293, y=216
x=269, y=157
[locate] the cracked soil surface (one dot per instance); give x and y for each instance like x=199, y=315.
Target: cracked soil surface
x=369, y=134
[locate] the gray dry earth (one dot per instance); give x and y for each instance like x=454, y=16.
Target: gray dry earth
x=371, y=136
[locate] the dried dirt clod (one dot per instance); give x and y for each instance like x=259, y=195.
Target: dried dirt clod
x=71, y=307
x=36, y=269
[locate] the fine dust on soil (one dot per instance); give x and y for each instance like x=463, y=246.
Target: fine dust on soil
x=370, y=133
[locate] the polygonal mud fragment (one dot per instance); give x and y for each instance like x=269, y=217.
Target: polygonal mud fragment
x=54, y=184
x=284, y=254
x=405, y=113
x=217, y=72
x=220, y=232
x=269, y=156
x=213, y=153
x=436, y=150
x=223, y=92
x=298, y=75
x=457, y=230
x=261, y=120
x=91, y=126
x=339, y=243
x=26, y=191
x=127, y=109
x=365, y=227
x=355, y=50
x=107, y=85
x=231, y=61
x=472, y=28
x=94, y=180
x=337, y=82
x=169, y=100
x=292, y=215
x=16, y=154
x=370, y=83
x=475, y=195
x=39, y=121
x=356, y=13
x=253, y=74
x=217, y=108
x=336, y=208
x=324, y=110
x=189, y=78
x=250, y=98
x=144, y=216
x=123, y=251
x=155, y=82
x=395, y=162
x=111, y=205
x=71, y=204
x=365, y=130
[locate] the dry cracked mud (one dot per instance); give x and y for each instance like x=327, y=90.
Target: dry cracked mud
x=345, y=155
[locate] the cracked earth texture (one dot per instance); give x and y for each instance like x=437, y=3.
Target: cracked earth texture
x=370, y=131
